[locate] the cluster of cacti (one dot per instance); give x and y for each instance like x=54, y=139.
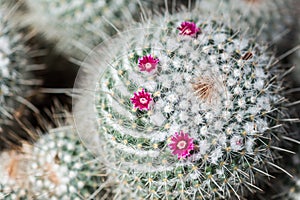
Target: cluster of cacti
x=270, y=19
x=177, y=105
x=57, y=166
x=188, y=109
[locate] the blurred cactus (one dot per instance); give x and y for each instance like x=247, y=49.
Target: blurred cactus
x=15, y=70
x=188, y=108
x=296, y=62
x=57, y=166
x=291, y=189
x=82, y=22
x=12, y=177
x=270, y=19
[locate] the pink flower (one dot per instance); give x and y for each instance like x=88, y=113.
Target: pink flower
x=188, y=28
x=141, y=100
x=181, y=144
x=148, y=63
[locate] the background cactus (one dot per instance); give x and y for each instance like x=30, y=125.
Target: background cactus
x=296, y=62
x=272, y=20
x=57, y=166
x=12, y=178
x=296, y=56
x=15, y=72
x=189, y=82
x=292, y=188
x=83, y=22
x=294, y=192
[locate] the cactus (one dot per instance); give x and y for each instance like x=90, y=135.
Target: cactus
x=88, y=22
x=188, y=108
x=296, y=62
x=11, y=177
x=15, y=69
x=290, y=189
x=271, y=19
x=57, y=166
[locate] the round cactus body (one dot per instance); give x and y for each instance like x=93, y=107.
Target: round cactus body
x=87, y=22
x=57, y=166
x=188, y=108
x=269, y=19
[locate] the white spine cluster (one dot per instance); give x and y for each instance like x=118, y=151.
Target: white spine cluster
x=219, y=86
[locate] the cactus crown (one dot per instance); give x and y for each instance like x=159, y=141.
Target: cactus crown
x=187, y=109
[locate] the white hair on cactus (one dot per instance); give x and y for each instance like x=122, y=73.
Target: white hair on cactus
x=234, y=112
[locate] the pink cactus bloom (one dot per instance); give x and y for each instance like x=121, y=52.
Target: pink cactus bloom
x=181, y=144
x=141, y=100
x=148, y=63
x=188, y=28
